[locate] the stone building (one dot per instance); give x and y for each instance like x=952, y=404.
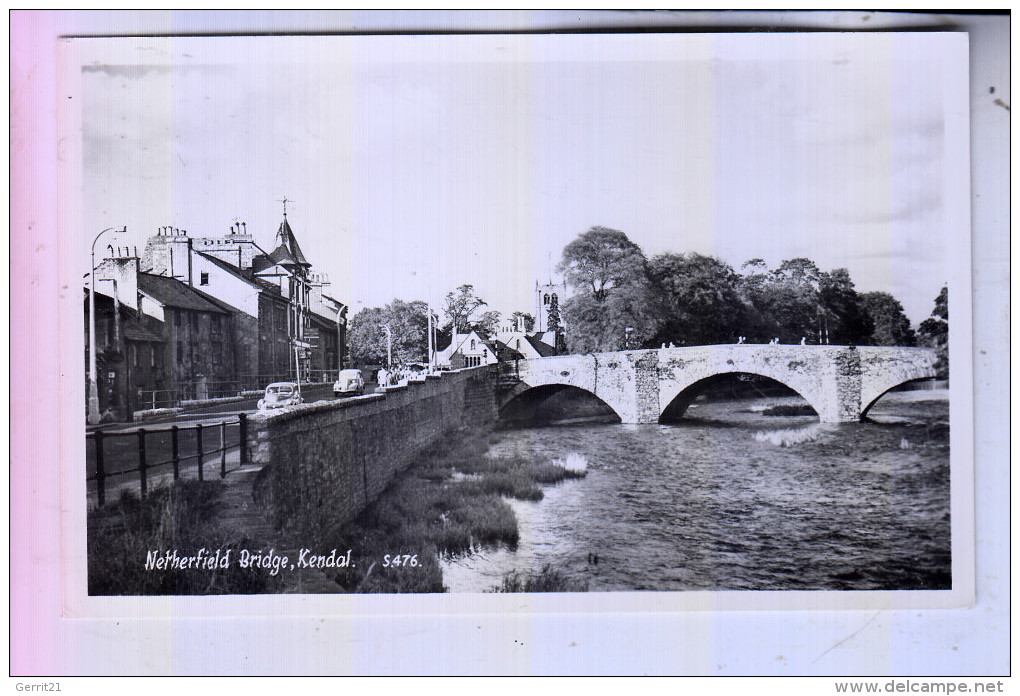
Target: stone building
x=285, y=325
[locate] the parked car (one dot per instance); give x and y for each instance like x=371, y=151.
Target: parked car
x=350, y=383
x=280, y=394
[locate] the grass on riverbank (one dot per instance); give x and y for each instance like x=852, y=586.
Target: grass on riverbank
x=430, y=510
x=546, y=580
x=178, y=516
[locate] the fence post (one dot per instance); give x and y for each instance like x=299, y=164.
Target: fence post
x=243, y=418
x=175, y=452
x=198, y=435
x=223, y=449
x=141, y=460
x=100, y=469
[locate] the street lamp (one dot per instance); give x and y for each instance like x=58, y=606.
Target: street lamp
x=339, y=339
x=432, y=344
x=389, y=345
x=93, y=416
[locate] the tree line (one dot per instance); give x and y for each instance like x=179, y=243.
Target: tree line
x=620, y=298
x=408, y=323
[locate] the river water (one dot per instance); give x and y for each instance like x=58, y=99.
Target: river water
x=731, y=499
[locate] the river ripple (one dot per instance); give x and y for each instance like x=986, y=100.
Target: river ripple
x=706, y=504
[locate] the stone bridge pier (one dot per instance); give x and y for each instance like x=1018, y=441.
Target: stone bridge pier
x=840, y=382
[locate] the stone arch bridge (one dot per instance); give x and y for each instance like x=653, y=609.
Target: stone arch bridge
x=840, y=382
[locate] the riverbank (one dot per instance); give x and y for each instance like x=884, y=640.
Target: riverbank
x=452, y=501
x=210, y=537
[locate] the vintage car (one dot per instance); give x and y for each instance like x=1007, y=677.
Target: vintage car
x=350, y=383
x=280, y=394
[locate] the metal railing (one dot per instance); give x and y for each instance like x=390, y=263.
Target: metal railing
x=110, y=447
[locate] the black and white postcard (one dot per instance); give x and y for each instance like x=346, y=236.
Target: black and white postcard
x=370, y=325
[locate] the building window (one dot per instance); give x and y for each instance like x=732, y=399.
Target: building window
x=472, y=344
x=133, y=350
x=180, y=352
x=152, y=356
x=555, y=299
x=204, y=278
x=545, y=300
x=177, y=318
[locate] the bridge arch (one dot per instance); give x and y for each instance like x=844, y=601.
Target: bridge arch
x=887, y=368
x=520, y=403
x=840, y=382
x=674, y=409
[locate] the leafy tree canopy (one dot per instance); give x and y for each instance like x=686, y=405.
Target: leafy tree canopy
x=600, y=260
x=408, y=325
x=461, y=304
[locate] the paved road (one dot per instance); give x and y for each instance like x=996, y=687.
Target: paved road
x=219, y=412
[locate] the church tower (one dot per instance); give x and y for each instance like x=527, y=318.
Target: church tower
x=549, y=299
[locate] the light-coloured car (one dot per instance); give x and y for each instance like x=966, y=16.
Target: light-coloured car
x=350, y=383
x=280, y=394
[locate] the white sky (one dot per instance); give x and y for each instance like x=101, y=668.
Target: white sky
x=416, y=164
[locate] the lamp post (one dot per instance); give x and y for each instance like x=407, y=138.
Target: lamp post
x=432, y=349
x=389, y=345
x=93, y=416
x=339, y=340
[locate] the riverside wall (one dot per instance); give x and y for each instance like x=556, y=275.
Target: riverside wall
x=325, y=462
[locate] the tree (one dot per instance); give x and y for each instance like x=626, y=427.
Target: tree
x=365, y=337
x=890, y=325
x=700, y=298
x=599, y=260
x=784, y=300
x=488, y=323
x=799, y=301
x=527, y=319
x=597, y=327
x=554, y=313
x=408, y=325
x=461, y=304
x=935, y=332
x=611, y=293
x=840, y=310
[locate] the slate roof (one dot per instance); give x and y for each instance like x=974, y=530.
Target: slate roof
x=544, y=349
x=133, y=331
x=173, y=293
x=250, y=278
x=288, y=250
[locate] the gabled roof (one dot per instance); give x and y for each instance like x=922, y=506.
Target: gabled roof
x=173, y=293
x=227, y=266
x=543, y=349
x=246, y=276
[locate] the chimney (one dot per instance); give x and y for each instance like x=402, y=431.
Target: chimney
x=190, y=279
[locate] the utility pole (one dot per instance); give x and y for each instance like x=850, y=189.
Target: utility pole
x=93, y=415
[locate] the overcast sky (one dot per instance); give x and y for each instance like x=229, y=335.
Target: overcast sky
x=416, y=164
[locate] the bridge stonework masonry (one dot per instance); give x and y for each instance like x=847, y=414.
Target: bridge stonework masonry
x=840, y=382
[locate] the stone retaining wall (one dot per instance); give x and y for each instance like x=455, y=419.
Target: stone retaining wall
x=324, y=462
